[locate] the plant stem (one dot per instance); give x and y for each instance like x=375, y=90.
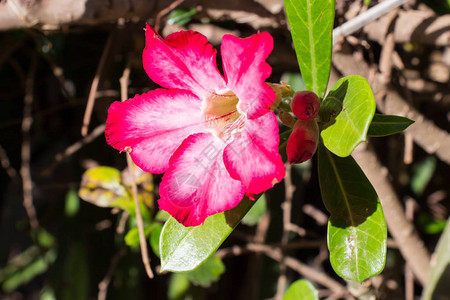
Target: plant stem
x=365, y=18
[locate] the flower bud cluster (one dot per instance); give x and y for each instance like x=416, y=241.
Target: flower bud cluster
x=302, y=143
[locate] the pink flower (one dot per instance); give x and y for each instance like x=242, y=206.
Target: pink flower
x=214, y=136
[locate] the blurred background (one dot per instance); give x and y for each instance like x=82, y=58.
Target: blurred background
x=60, y=68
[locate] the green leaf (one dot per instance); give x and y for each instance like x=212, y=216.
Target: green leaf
x=429, y=224
x=284, y=137
x=22, y=268
x=154, y=238
x=437, y=286
x=72, y=203
x=311, y=23
x=185, y=248
x=208, y=272
x=352, y=102
x=181, y=16
x=422, y=173
x=295, y=80
x=132, y=236
x=178, y=286
x=383, y=125
x=256, y=212
x=102, y=186
x=357, y=231
x=301, y=289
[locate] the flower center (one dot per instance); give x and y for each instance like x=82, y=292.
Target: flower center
x=220, y=112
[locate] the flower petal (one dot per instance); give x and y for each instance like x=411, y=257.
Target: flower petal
x=197, y=184
x=184, y=60
x=253, y=156
x=246, y=69
x=153, y=125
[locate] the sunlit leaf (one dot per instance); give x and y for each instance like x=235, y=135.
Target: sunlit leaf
x=181, y=16
x=301, y=289
x=357, y=231
x=348, y=110
x=185, y=248
x=311, y=23
x=383, y=125
x=102, y=186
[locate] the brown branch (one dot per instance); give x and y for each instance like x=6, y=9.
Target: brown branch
x=25, y=173
x=94, y=87
x=409, y=243
x=140, y=224
x=6, y=164
x=103, y=285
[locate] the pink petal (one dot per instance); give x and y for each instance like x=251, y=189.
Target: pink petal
x=184, y=60
x=253, y=156
x=197, y=184
x=153, y=125
x=245, y=67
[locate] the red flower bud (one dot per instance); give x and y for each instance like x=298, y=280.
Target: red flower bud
x=305, y=105
x=302, y=143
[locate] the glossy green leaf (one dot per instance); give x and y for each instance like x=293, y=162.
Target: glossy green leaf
x=348, y=110
x=301, y=289
x=357, y=231
x=208, y=272
x=256, y=212
x=311, y=23
x=185, y=248
x=383, y=125
x=437, y=286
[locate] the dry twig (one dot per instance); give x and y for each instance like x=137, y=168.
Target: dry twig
x=103, y=285
x=131, y=166
x=94, y=87
x=25, y=173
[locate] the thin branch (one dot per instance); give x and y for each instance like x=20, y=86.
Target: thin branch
x=74, y=148
x=25, y=173
x=140, y=224
x=287, y=209
x=103, y=285
x=365, y=18
x=164, y=12
x=94, y=87
x=6, y=164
